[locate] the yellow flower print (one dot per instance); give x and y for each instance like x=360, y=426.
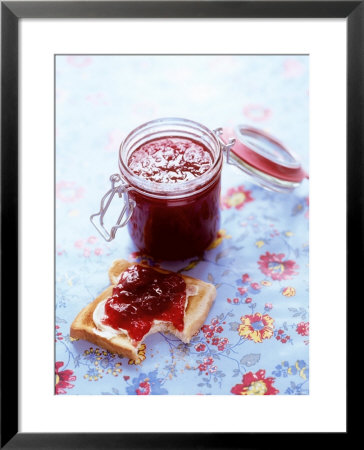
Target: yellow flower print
x=255, y=384
x=141, y=356
x=256, y=327
x=103, y=363
x=221, y=235
x=256, y=388
x=190, y=266
x=236, y=198
x=301, y=370
x=259, y=244
x=289, y=292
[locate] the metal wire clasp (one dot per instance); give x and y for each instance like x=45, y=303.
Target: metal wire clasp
x=127, y=210
x=226, y=146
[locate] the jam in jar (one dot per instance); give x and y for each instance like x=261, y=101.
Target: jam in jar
x=170, y=170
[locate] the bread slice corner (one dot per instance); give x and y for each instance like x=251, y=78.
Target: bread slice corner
x=198, y=307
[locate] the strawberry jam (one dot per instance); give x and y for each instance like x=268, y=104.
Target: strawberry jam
x=170, y=160
x=175, y=228
x=143, y=295
x=172, y=225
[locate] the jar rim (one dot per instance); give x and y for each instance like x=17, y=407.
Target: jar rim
x=175, y=190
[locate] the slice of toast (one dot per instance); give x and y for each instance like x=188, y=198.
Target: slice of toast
x=198, y=307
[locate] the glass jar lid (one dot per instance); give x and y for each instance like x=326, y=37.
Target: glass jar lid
x=263, y=157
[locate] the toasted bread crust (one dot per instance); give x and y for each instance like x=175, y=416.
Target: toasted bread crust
x=83, y=327
x=198, y=307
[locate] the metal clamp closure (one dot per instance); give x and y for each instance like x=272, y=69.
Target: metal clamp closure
x=125, y=214
x=225, y=146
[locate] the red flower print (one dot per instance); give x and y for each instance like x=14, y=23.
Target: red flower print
x=255, y=384
x=272, y=264
x=257, y=113
x=209, y=330
x=62, y=379
x=68, y=191
x=79, y=243
x=208, y=361
x=256, y=327
x=303, y=328
x=222, y=344
x=210, y=333
x=200, y=347
x=281, y=336
x=236, y=198
x=88, y=246
x=245, y=278
x=207, y=365
x=144, y=388
x=59, y=336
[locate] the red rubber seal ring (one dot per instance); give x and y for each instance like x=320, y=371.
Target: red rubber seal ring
x=265, y=165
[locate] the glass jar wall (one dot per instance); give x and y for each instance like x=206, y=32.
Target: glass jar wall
x=173, y=220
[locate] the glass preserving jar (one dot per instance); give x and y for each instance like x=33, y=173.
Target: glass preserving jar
x=179, y=220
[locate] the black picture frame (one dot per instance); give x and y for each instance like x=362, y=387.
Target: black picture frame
x=11, y=12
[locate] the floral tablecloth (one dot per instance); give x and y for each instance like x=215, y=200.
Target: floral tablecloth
x=255, y=338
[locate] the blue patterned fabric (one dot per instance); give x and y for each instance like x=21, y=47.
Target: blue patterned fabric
x=255, y=338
